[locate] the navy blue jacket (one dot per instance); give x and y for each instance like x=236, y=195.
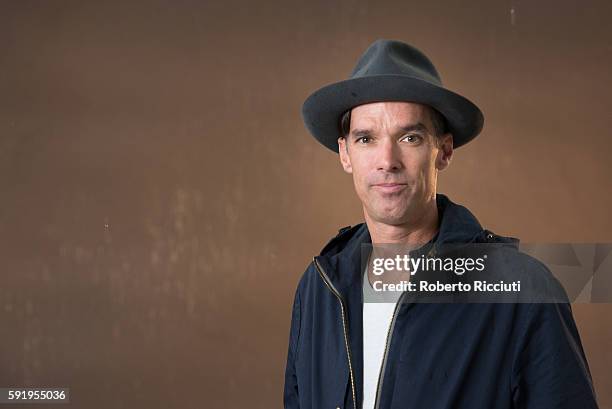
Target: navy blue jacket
x=466, y=355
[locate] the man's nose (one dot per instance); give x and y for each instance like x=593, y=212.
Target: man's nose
x=388, y=156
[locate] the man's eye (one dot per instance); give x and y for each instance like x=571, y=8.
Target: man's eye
x=412, y=138
x=363, y=139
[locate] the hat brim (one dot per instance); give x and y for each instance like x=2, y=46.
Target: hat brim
x=322, y=109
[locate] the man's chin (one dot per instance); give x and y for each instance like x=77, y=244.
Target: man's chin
x=393, y=212
x=392, y=218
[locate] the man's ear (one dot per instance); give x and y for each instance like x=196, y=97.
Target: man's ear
x=445, y=151
x=345, y=160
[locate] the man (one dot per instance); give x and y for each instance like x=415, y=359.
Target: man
x=395, y=127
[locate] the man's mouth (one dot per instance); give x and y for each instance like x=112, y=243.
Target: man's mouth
x=389, y=187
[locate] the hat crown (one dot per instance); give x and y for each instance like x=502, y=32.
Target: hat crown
x=391, y=57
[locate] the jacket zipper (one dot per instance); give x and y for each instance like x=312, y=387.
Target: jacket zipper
x=386, y=353
x=431, y=253
x=327, y=282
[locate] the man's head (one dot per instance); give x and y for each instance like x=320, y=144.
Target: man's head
x=394, y=151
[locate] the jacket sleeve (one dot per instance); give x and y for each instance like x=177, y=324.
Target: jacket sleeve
x=551, y=369
x=290, y=399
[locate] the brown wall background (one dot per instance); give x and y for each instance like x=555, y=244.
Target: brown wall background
x=161, y=197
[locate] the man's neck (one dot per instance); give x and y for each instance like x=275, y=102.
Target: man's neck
x=418, y=231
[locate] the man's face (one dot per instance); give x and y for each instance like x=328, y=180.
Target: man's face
x=394, y=158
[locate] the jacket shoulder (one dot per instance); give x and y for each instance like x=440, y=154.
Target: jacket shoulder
x=308, y=280
x=538, y=283
x=336, y=243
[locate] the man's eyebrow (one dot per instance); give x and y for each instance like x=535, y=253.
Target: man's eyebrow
x=361, y=132
x=419, y=126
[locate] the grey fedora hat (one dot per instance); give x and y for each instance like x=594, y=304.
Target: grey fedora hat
x=390, y=70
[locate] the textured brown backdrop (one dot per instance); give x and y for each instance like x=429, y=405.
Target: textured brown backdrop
x=161, y=197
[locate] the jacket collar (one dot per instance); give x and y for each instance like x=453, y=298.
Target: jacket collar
x=342, y=257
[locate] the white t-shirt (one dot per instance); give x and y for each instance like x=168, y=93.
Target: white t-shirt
x=377, y=315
